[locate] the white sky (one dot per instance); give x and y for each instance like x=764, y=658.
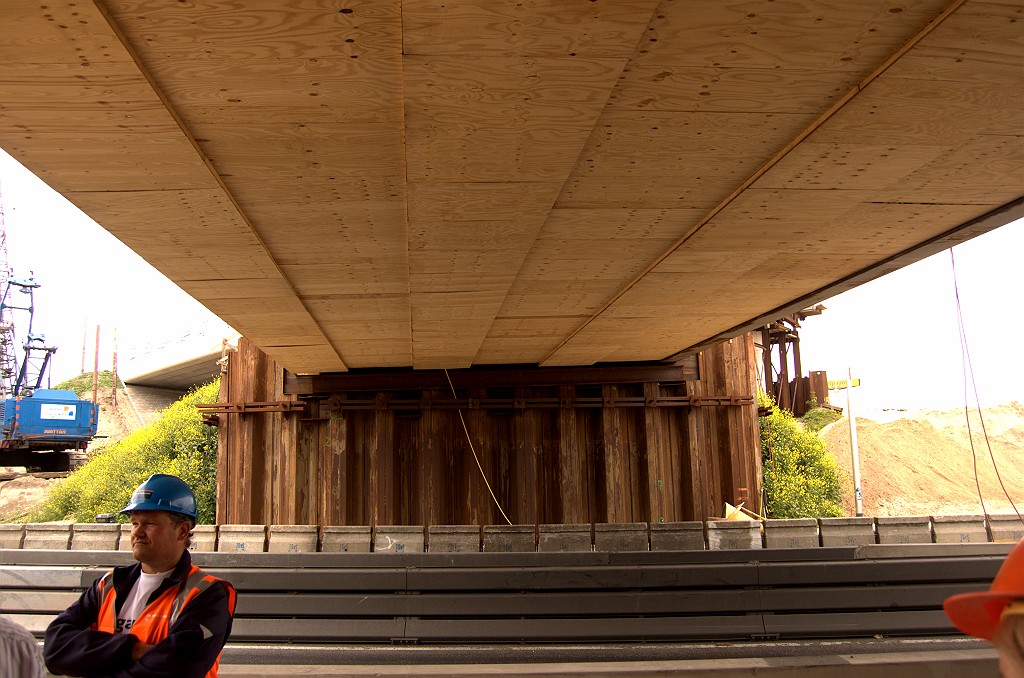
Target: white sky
x=89, y=278
x=898, y=333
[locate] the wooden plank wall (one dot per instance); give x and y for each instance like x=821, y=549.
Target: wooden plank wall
x=551, y=454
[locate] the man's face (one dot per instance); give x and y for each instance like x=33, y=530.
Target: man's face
x=157, y=542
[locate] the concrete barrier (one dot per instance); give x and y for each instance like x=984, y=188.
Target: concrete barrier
x=682, y=536
x=1005, y=527
x=453, y=538
x=11, y=536
x=345, y=539
x=564, y=538
x=399, y=539
x=793, y=533
x=242, y=538
x=858, y=531
x=49, y=536
x=959, y=529
x=621, y=537
x=734, y=534
x=125, y=542
x=509, y=538
x=610, y=537
x=204, y=539
x=904, y=529
x=293, y=539
x=95, y=536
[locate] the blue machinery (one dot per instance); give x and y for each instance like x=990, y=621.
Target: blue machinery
x=35, y=419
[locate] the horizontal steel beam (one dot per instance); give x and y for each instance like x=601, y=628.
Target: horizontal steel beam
x=480, y=378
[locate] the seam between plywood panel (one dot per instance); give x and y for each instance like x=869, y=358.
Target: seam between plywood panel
x=213, y=172
x=763, y=169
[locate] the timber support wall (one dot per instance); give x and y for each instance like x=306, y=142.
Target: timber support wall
x=297, y=450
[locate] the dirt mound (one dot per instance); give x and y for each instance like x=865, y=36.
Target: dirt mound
x=21, y=495
x=925, y=465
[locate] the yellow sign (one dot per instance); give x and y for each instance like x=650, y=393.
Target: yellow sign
x=840, y=383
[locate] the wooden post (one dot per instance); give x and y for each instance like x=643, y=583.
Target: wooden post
x=616, y=465
x=525, y=478
x=572, y=462
x=656, y=458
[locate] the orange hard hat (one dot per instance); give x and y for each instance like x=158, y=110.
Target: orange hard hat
x=977, y=614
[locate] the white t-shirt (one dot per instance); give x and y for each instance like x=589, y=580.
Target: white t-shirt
x=137, y=599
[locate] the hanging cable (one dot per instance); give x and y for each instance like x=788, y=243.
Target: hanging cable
x=473, y=450
x=969, y=368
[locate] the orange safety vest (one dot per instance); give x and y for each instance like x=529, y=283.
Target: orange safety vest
x=154, y=623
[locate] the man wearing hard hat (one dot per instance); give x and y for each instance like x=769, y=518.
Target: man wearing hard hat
x=162, y=617
x=997, y=615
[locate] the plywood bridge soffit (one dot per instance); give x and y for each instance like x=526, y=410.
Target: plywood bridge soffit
x=385, y=183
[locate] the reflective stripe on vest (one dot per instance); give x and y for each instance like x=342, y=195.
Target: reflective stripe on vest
x=154, y=624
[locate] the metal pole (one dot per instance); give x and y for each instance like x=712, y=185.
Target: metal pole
x=853, y=444
x=96, y=368
x=113, y=380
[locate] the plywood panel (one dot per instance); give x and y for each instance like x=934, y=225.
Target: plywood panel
x=547, y=27
x=804, y=34
x=309, y=89
x=263, y=29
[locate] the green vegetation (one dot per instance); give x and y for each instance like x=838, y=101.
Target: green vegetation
x=800, y=477
x=178, y=443
x=818, y=418
x=83, y=382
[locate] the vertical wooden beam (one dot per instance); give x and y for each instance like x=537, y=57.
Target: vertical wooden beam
x=285, y=457
x=524, y=479
x=428, y=463
x=225, y=454
x=572, y=462
x=784, y=399
x=766, y=362
x=656, y=458
x=480, y=466
x=383, y=479
x=616, y=464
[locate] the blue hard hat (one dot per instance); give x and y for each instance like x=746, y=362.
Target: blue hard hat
x=162, y=492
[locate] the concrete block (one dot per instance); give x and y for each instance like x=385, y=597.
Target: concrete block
x=1005, y=527
x=95, y=536
x=453, y=538
x=49, y=536
x=509, y=538
x=621, y=537
x=564, y=538
x=959, y=529
x=904, y=529
x=293, y=539
x=11, y=535
x=242, y=538
x=847, y=531
x=345, y=539
x=204, y=539
x=683, y=536
x=793, y=533
x=399, y=539
x=125, y=542
x=734, y=534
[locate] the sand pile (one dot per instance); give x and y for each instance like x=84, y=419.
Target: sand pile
x=924, y=465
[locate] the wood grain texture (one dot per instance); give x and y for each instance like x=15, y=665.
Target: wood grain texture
x=385, y=183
